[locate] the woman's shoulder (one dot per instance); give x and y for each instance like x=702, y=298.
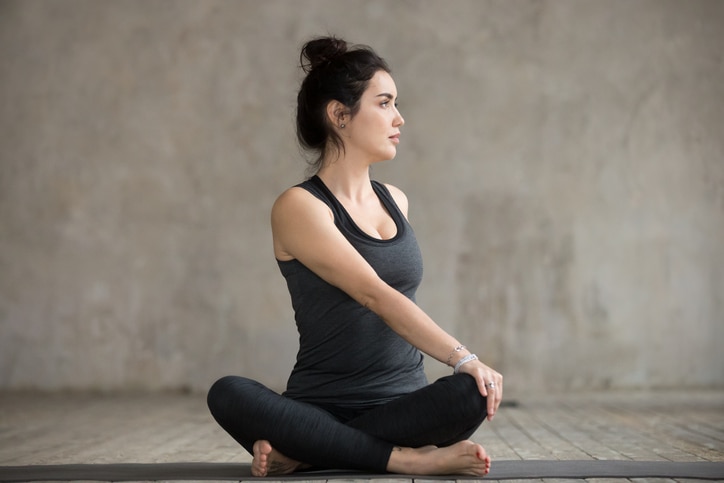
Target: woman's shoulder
x=297, y=201
x=399, y=196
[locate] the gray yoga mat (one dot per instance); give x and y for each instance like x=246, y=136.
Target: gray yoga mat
x=500, y=470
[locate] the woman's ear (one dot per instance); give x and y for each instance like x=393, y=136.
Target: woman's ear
x=337, y=114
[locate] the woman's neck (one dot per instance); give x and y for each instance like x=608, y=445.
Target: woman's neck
x=346, y=181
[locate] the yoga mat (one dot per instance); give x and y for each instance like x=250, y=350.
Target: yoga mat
x=500, y=470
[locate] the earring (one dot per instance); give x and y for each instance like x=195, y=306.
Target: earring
x=341, y=126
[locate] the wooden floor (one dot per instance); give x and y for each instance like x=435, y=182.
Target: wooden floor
x=87, y=428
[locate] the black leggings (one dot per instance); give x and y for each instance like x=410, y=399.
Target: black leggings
x=442, y=413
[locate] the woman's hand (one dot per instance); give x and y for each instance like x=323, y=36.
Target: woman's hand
x=490, y=383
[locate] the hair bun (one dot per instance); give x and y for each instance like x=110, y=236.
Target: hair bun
x=321, y=51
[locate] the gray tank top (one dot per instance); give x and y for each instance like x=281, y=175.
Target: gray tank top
x=348, y=356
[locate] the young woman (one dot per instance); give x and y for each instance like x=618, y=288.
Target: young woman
x=357, y=397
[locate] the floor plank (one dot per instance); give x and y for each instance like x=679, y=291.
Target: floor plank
x=155, y=428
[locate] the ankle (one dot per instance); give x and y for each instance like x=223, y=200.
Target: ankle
x=406, y=461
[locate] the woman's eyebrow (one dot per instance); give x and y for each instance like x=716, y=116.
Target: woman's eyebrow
x=386, y=94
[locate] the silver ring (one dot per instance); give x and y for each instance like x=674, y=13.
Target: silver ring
x=491, y=385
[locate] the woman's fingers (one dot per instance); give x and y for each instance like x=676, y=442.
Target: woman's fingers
x=495, y=392
x=490, y=384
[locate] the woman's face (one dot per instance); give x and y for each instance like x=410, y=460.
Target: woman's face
x=375, y=130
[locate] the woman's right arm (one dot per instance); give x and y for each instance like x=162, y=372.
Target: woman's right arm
x=303, y=228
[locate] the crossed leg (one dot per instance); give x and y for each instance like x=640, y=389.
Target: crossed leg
x=442, y=414
x=462, y=458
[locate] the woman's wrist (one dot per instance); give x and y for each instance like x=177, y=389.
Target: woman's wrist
x=451, y=359
x=463, y=361
x=457, y=354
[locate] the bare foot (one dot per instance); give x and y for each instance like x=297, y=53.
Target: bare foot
x=463, y=458
x=268, y=461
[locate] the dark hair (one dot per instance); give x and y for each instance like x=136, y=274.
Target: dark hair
x=336, y=71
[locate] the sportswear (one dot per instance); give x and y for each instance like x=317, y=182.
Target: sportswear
x=348, y=356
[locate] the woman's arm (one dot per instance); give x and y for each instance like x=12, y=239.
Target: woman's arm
x=303, y=228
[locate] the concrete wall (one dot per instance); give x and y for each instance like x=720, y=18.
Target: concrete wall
x=564, y=160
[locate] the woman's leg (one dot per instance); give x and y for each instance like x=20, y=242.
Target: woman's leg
x=441, y=414
x=250, y=412
x=263, y=421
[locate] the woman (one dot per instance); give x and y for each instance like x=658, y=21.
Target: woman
x=357, y=397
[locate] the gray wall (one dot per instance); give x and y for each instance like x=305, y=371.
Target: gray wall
x=564, y=161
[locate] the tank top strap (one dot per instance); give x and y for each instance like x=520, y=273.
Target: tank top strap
x=344, y=221
x=316, y=187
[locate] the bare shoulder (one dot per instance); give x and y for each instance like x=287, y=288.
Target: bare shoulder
x=296, y=201
x=400, y=198
x=297, y=215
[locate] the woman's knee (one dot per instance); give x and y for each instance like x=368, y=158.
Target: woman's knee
x=226, y=394
x=218, y=392
x=220, y=388
x=464, y=389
